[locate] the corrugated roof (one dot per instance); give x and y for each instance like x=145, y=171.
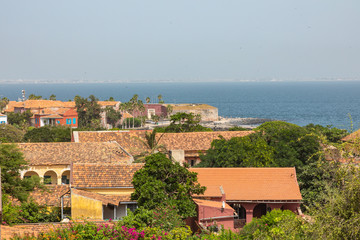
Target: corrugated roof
x=105, y=199
x=251, y=184
x=66, y=152
x=103, y=175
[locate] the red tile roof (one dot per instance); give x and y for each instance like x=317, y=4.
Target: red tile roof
x=250, y=184
x=68, y=152
x=51, y=195
x=192, y=141
x=353, y=137
x=86, y=175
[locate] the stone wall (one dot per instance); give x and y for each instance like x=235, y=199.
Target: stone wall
x=35, y=228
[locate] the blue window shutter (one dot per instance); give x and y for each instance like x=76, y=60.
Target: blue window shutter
x=74, y=120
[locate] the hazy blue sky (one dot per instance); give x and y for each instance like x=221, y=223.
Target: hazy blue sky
x=179, y=40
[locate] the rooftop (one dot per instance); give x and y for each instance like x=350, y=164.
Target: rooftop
x=250, y=184
x=101, y=175
x=55, y=153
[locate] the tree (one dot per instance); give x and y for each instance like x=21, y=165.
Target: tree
x=248, y=151
x=3, y=102
x=111, y=99
x=151, y=144
x=164, y=182
x=11, y=163
x=184, y=122
x=88, y=111
x=10, y=134
x=20, y=119
x=34, y=97
x=160, y=98
x=52, y=97
x=294, y=146
x=169, y=110
x=332, y=134
x=112, y=116
x=48, y=134
x=147, y=100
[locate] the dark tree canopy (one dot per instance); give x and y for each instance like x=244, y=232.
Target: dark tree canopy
x=88, y=111
x=184, y=122
x=10, y=134
x=11, y=163
x=112, y=116
x=249, y=151
x=164, y=182
x=48, y=134
x=19, y=119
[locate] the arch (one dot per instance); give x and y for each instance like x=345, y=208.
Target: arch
x=240, y=210
x=259, y=210
x=50, y=177
x=29, y=174
x=65, y=177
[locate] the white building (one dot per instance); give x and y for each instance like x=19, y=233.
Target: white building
x=3, y=119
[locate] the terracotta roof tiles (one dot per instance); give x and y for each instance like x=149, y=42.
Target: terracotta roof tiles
x=209, y=203
x=51, y=195
x=66, y=152
x=88, y=175
x=250, y=184
x=192, y=141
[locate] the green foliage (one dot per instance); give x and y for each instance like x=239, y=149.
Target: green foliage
x=249, y=151
x=164, y=182
x=52, y=97
x=332, y=134
x=237, y=128
x=3, y=102
x=184, y=122
x=48, y=134
x=88, y=111
x=11, y=162
x=34, y=97
x=162, y=217
x=130, y=121
x=10, y=134
x=339, y=217
x=112, y=116
x=293, y=145
x=20, y=119
x=276, y=224
x=27, y=212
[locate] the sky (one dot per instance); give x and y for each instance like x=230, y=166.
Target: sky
x=187, y=40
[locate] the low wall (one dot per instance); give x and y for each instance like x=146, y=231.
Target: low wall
x=35, y=228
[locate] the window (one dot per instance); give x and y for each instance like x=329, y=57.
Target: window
x=132, y=207
x=58, y=122
x=65, y=180
x=36, y=121
x=68, y=121
x=2, y=122
x=47, y=179
x=74, y=120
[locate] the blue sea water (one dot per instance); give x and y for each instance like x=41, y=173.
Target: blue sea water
x=325, y=103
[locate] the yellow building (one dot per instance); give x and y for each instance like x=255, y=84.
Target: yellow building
x=94, y=179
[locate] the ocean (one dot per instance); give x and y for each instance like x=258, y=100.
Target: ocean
x=301, y=103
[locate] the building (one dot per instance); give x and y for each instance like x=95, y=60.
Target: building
x=207, y=112
x=3, y=119
x=183, y=147
x=250, y=192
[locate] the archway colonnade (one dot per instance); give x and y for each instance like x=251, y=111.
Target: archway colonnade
x=49, y=176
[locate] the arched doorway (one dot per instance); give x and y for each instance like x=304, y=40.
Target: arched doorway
x=50, y=177
x=259, y=210
x=29, y=174
x=65, y=177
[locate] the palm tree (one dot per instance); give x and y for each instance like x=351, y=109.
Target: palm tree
x=147, y=100
x=151, y=144
x=160, y=98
